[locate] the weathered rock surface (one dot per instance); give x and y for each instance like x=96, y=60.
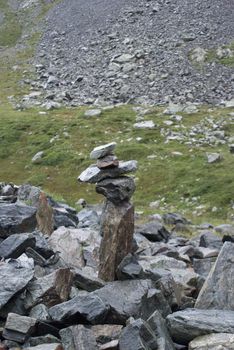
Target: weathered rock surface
x=16, y=274
x=117, y=236
x=15, y=245
x=188, y=324
x=116, y=190
x=103, y=150
x=154, y=231
x=18, y=328
x=217, y=291
x=158, y=326
x=87, y=308
x=16, y=218
x=78, y=338
x=219, y=341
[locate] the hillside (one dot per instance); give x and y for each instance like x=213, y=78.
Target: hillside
x=173, y=167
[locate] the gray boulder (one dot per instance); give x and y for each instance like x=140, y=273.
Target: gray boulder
x=217, y=291
x=85, y=308
x=188, y=324
x=19, y=328
x=15, y=245
x=16, y=218
x=154, y=231
x=16, y=274
x=159, y=327
x=103, y=150
x=88, y=282
x=116, y=190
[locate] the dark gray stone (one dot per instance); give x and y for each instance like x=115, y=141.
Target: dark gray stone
x=15, y=245
x=154, y=231
x=210, y=240
x=85, y=281
x=138, y=336
x=159, y=327
x=88, y=218
x=174, y=218
x=16, y=218
x=78, y=338
x=203, y=266
x=85, y=308
x=217, y=291
x=129, y=268
x=19, y=328
x=16, y=274
x=188, y=324
x=116, y=190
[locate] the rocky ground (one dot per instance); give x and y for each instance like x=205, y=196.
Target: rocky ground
x=136, y=51
x=171, y=292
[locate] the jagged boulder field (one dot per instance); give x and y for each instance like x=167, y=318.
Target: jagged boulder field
x=170, y=292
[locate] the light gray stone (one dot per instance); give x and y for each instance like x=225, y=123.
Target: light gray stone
x=103, y=150
x=219, y=341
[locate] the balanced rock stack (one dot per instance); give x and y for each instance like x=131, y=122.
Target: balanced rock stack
x=117, y=225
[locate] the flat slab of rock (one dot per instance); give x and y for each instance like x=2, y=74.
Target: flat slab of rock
x=15, y=245
x=53, y=346
x=188, y=324
x=217, y=291
x=103, y=150
x=154, y=231
x=16, y=218
x=86, y=308
x=93, y=113
x=219, y=341
x=18, y=328
x=16, y=274
x=213, y=157
x=93, y=174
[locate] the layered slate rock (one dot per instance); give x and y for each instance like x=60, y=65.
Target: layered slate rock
x=78, y=337
x=19, y=328
x=51, y=289
x=219, y=341
x=15, y=245
x=117, y=222
x=188, y=324
x=158, y=325
x=16, y=218
x=81, y=309
x=217, y=291
x=16, y=274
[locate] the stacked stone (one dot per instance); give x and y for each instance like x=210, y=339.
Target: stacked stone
x=117, y=226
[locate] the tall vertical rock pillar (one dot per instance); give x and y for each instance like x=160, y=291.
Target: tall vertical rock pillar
x=117, y=223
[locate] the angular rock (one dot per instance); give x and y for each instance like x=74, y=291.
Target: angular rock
x=88, y=218
x=117, y=232
x=16, y=274
x=225, y=229
x=154, y=231
x=129, y=268
x=37, y=158
x=217, y=291
x=106, y=332
x=116, y=190
x=109, y=161
x=15, y=245
x=85, y=308
x=188, y=324
x=219, y=341
x=159, y=327
x=103, y=150
x=213, y=157
x=86, y=281
x=53, y=346
x=51, y=289
x=112, y=345
x=16, y=218
x=78, y=338
x=137, y=336
x=40, y=312
x=93, y=174
x=146, y=124
x=174, y=218
x=46, y=339
x=29, y=194
x=19, y=328
x=127, y=298
x=93, y=113
x=203, y=266
x=45, y=215
x=210, y=240
x=71, y=240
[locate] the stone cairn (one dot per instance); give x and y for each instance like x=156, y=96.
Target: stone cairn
x=117, y=223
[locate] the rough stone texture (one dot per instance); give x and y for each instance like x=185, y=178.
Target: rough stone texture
x=188, y=324
x=87, y=308
x=137, y=336
x=16, y=218
x=15, y=245
x=86, y=281
x=116, y=190
x=217, y=291
x=45, y=215
x=106, y=332
x=53, y=346
x=16, y=274
x=129, y=268
x=154, y=231
x=109, y=161
x=78, y=338
x=93, y=174
x=18, y=328
x=51, y=289
x=71, y=240
x=203, y=266
x=117, y=231
x=103, y=150
x=128, y=298
x=159, y=327
x=221, y=341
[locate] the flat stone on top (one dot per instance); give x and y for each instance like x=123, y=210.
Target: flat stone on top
x=103, y=150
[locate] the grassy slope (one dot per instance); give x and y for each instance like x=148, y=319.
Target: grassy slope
x=177, y=179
